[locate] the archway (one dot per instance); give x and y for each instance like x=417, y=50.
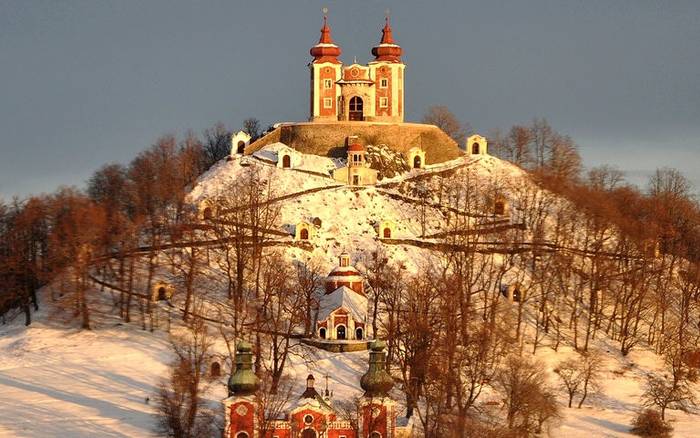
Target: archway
x=387, y=233
x=215, y=370
x=304, y=235
x=241, y=147
x=286, y=161
x=308, y=433
x=340, y=332
x=358, y=333
x=500, y=208
x=356, y=109
x=416, y=162
x=322, y=333
x=475, y=149
x=207, y=213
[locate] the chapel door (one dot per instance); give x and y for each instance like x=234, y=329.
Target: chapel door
x=356, y=109
x=308, y=433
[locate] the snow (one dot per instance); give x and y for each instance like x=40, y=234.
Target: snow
x=346, y=298
x=61, y=381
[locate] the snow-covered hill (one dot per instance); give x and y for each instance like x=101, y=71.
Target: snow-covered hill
x=57, y=381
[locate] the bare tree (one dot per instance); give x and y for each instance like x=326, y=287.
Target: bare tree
x=252, y=127
x=182, y=412
x=529, y=403
x=443, y=118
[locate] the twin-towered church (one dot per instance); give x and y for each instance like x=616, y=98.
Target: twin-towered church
x=372, y=92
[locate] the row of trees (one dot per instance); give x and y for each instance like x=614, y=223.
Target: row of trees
x=64, y=234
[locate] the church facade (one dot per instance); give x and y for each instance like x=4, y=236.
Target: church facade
x=313, y=415
x=372, y=92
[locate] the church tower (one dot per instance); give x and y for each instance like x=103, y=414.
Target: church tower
x=387, y=69
x=241, y=416
x=377, y=410
x=325, y=72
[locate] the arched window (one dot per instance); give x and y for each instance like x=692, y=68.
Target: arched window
x=340, y=332
x=322, y=333
x=215, y=369
x=207, y=213
x=162, y=294
x=356, y=108
x=241, y=147
x=286, y=161
x=416, y=162
x=475, y=149
x=500, y=208
x=241, y=435
x=358, y=333
x=304, y=235
x=387, y=233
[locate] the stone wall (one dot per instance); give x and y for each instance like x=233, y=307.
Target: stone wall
x=328, y=139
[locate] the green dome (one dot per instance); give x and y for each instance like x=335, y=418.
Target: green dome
x=243, y=381
x=377, y=382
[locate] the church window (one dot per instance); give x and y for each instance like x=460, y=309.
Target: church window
x=387, y=233
x=327, y=102
x=241, y=147
x=286, y=161
x=327, y=83
x=304, y=235
x=358, y=333
x=241, y=435
x=384, y=83
x=308, y=419
x=416, y=162
x=475, y=148
x=383, y=102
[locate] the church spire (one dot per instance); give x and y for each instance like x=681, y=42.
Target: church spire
x=326, y=50
x=387, y=50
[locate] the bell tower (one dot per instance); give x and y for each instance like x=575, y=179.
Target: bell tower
x=387, y=69
x=377, y=409
x=325, y=72
x=241, y=417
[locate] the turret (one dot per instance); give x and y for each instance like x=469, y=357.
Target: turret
x=243, y=381
x=377, y=382
x=387, y=50
x=326, y=50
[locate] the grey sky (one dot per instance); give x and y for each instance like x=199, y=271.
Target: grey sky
x=83, y=83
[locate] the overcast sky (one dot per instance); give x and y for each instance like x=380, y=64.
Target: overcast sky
x=83, y=83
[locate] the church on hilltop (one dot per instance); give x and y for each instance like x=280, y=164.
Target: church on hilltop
x=372, y=92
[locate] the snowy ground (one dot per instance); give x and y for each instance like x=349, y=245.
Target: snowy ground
x=57, y=381
x=63, y=382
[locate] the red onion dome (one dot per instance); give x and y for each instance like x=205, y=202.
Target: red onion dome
x=326, y=50
x=387, y=50
x=356, y=147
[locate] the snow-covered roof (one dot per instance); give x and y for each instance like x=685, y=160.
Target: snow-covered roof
x=271, y=152
x=344, y=297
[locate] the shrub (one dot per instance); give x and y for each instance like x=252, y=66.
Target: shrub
x=648, y=423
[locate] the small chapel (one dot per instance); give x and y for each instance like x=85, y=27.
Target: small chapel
x=342, y=312
x=372, y=92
